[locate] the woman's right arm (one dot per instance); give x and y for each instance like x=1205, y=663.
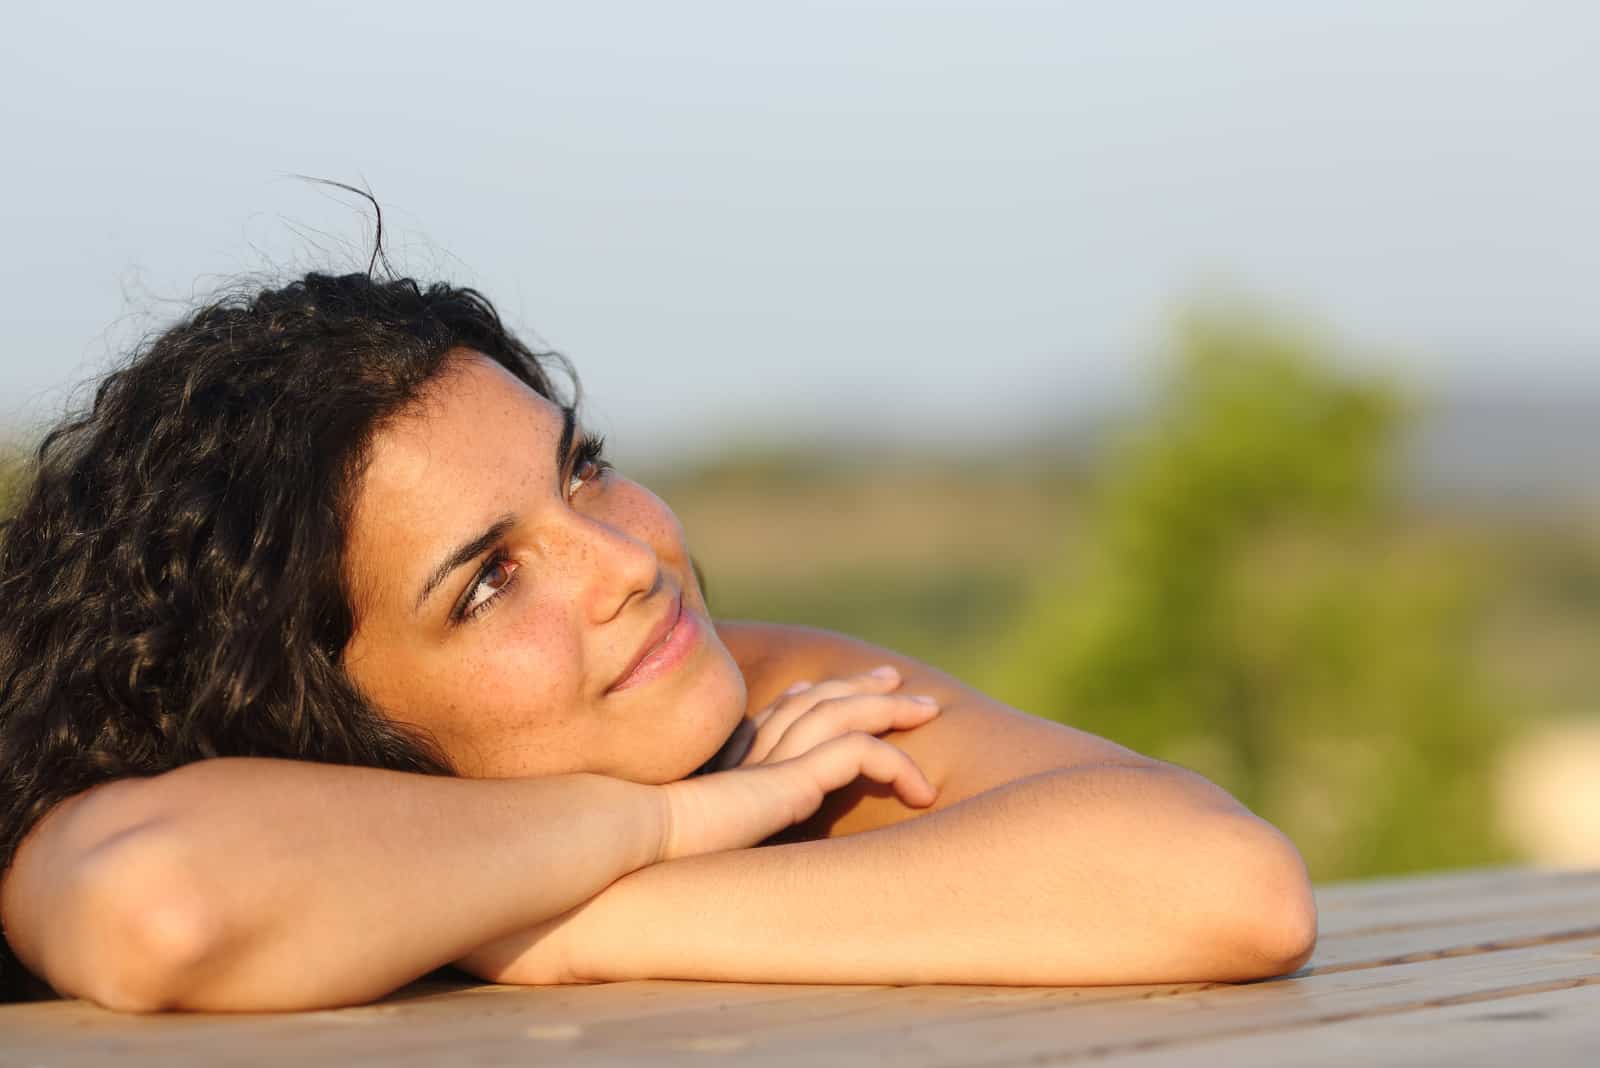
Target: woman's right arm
x=249, y=884
x=256, y=884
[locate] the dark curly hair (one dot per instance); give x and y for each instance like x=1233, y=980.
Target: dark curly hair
x=171, y=580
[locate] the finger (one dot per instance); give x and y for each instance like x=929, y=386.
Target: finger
x=870, y=714
x=772, y=721
x=799, y=686
x=840, y=761
x=742, y=806
x=804, y=693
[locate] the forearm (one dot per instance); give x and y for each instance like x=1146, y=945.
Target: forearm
x=1087, y=875
x=264, y=884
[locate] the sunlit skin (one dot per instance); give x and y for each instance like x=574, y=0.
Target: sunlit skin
x=519, y=602
x=589, y=565
x=1046, y=856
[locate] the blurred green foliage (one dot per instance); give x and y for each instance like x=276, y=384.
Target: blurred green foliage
x=1243, y=608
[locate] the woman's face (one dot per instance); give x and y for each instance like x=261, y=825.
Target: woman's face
x=521, y=603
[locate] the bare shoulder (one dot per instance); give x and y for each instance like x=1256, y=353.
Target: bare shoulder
x=773, y=655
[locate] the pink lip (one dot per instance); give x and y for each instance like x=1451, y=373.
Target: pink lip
x=668, y=646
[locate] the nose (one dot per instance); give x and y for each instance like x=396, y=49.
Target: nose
x=619, y=565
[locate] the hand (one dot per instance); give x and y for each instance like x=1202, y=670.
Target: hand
x=814, y=739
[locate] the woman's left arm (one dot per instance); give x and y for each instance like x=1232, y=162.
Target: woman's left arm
x=1051, y=857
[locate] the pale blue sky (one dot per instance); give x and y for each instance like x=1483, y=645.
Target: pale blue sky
x=926, y=220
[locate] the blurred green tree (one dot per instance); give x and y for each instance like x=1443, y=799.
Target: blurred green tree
x=1246, y=606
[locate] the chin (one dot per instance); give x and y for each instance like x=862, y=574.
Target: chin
x=720, y=700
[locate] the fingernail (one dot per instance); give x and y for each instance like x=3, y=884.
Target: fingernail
x=885, y=672
x=796, y=687
x=924, y=699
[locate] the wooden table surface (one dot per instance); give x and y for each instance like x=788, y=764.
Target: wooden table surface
x=1494, y=967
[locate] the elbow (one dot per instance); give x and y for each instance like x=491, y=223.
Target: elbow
x=1294, y=940
x=1283, y=938
x=1258, y=919
x=154, y=960
x=1276, y=932
x=149, y=934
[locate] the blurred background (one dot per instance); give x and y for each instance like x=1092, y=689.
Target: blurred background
x=1223, y=379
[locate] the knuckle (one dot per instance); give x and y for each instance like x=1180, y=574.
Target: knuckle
x=845, y=741
x=771, y=729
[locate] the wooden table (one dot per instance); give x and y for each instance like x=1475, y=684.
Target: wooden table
x=1467, y=968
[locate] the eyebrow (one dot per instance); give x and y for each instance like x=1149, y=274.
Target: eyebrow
x=469, y=551
x=464, y=554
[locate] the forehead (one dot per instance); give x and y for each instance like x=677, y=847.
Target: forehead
x=445, y=468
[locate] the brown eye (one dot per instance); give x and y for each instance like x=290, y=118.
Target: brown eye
x=583, y=473
x=492, y=581
x=497, y=576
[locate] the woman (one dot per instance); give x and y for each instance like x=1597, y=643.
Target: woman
x=332, y=652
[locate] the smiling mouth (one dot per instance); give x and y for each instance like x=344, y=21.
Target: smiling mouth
x=667, y=646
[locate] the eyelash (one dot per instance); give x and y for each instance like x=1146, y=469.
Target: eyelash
x=588, y=452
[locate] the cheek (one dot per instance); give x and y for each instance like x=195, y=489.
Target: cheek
x=504, y=702
x=524, y=655
x=531, y=655
x=647, y=517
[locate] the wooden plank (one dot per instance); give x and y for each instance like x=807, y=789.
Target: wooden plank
x=422, y=1010
x=1357, y=925
x=1424, y=883
x=1447, y=886
x=1474, y=934
x=1068, y=1032
x=1378, y=916
x=871, y=1011
x=1551, y=1029
x=681, y=1016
